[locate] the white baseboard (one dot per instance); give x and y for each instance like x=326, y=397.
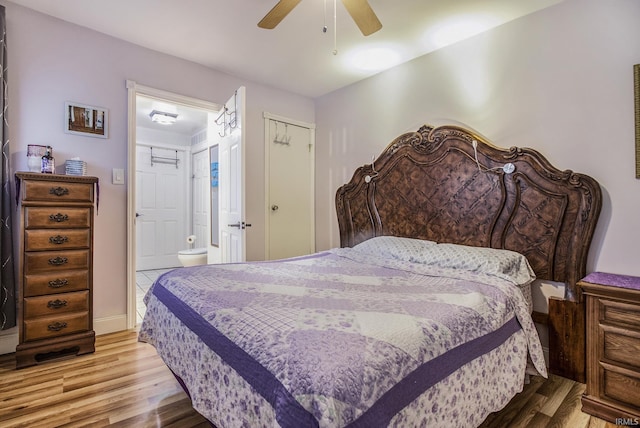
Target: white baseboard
x=9, y=339
x=110, y=324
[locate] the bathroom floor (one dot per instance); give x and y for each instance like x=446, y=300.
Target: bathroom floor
x=144, y=279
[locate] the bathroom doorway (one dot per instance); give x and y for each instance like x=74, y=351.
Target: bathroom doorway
x=162, y=186
x=171, y=212
x=168, y=207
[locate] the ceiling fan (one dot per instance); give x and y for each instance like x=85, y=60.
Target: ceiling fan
x=360, y=10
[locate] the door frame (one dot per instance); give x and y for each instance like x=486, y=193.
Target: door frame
x=134, y=89
x=267, y=144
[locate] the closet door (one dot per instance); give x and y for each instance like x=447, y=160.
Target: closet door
x=289, y=149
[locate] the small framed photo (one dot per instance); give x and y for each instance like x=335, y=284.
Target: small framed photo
x=90, y=121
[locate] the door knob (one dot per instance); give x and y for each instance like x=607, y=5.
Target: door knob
x=274, y=208
x=240, y=225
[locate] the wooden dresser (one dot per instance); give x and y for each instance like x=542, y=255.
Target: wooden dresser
x=613, y=347
x=55, y=310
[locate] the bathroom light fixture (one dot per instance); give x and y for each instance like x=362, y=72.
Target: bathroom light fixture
x=163, y=117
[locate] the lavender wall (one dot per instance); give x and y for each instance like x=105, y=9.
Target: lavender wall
x=559, y=80
x=51, y=61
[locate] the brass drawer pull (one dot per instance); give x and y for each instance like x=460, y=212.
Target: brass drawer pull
x=57, y=283
x=56, y=304
x=58, y=218
x=59, y=191
x=57, y=326
x=57, y=261
x=58, y=239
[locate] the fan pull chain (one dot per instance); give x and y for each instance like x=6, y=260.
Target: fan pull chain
x=335, y=28
x=324, y=27
x=335, y=25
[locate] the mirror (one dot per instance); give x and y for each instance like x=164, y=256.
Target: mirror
x=215, y=226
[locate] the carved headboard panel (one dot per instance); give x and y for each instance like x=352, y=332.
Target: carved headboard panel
x=427, y=185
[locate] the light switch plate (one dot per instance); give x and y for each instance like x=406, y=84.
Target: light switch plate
x=117, y=176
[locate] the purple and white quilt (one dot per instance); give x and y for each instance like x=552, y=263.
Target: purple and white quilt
x=348, y=337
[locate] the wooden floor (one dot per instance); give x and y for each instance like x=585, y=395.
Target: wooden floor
x=546, y=403
x=125, y=384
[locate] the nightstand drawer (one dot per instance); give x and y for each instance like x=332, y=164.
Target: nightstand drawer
x=621, y=347
x=52, y=261
x=58, y=282
x=57, y=191
x=47, y=327
x=622, y=388
x=56, y=217
x=620, y=313
x=56, y=304
x=54, y=239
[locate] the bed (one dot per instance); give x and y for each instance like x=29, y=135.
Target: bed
x=421, y=318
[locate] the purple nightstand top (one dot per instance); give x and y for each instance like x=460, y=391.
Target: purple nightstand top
x=615, y=280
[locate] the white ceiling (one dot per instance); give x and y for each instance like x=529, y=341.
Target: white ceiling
x=296, y=55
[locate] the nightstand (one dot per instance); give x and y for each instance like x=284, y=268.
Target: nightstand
x=613, y=347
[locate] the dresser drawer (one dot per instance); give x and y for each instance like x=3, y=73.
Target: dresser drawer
x=57, y=191
x=622, y=388
x=622, y=347
x=56, y=304
x=54, y=326
x=57, y=282
x=54, y=239
x=54, y=261
x=56, y=217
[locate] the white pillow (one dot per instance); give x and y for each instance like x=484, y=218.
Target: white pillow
x=509, y=265
x=406, y=249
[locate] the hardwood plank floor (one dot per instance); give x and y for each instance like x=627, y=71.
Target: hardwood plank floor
x=125, y=384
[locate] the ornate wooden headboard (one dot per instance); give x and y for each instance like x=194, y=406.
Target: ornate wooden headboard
x=427, y=185
x=430, y=185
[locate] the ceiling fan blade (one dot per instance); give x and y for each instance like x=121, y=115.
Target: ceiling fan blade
x=363, y=15
x=277, y=14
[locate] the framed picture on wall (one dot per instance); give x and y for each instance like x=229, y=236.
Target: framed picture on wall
x=82, y=119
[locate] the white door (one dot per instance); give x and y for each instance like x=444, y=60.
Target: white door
x=290, y=188
x=161, y=204
x=231, y=179
x=200, y=189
